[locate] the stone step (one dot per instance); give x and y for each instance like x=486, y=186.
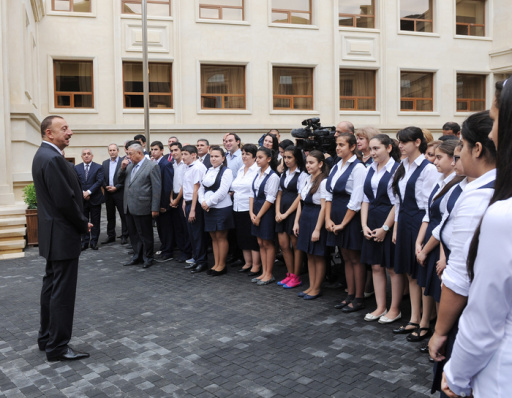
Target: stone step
x=12, y=232
x=12, y=244
x=12, y=220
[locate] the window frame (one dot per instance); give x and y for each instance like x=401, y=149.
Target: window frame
x=469, y=25
x=289, y=13
x=414, y=99
x=141, y=93
x=415, y=20
x=355, y=16
x=202, y=95
x=72, y=94
x=469, y=101
x=355, y=98
x=292, y=96
x=220, y=8
x=71, y=5
x=123, y=2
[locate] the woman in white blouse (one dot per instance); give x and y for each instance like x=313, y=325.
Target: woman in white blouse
x=482, y=356
x=241, y=188
x=309, y=223
x=344, y=194
x=215, y=200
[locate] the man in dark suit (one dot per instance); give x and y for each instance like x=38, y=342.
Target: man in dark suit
x=141, y=201
x=203, y=149
x=61, y=223
x=91, y=178
x=164, y=220
x=113, y=195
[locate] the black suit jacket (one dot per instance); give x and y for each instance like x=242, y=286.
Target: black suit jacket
x=106, y=175
x=207, y=162
x=167, y=171
x=94, y=181
x=59, y=205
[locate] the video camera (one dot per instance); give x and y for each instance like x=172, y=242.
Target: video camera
x=315, y=136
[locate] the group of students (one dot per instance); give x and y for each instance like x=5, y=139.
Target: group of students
x=394, y=211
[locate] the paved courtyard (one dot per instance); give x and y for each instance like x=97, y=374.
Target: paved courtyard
x=163, y=332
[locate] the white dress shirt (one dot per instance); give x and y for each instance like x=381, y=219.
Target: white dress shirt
x=426, y=181
x=220, y=198
x=466, y=216
x=436, y=232
x=377, y=176
x=234, y=161
x=289, y=176
x=320, y=193
x=179, y=173
x=112, y=165
x=53, y=145
x=482, y=354
x=355, y=183
x=242, y=187
x=442, y=183
x=271, y=186
x=193, y=175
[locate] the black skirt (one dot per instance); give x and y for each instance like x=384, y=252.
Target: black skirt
x=244, y=238
x=219, y=219
x=307, y=224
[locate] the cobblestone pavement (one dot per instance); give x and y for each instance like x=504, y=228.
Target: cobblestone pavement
x=163, y=332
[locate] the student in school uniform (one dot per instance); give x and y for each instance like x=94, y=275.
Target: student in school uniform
x=216, y=203
x=377, y=220
x=344, y=196
x=412, y=184
x=478, y=157
x=241, y=188
x=292, y=180
x=309, y=223
x=262, y=211
x=179, y=222
x=482, y=356
x=192, y=208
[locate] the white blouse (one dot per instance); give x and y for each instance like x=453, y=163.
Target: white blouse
x=482, y=354
x=466, y=216
x=193, y=174
x=318, y=195
x=377, y=176
x=442, y=183
x=242, y=187
x=355, y=183
x=220, y=198
x=271, y=186
x=436, y=232
x=424, y=184
x=289, y=176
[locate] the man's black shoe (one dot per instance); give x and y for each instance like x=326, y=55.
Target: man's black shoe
x=148, y=264
x=94, y=246
x=109, y=240
x=69, y=355
x=84, y=247
x=190, y=266
x=124, y=240
x=163, y=258
x=132, y=262
x=199, y=268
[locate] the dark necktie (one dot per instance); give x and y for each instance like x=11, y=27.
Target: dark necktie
x=86, y=171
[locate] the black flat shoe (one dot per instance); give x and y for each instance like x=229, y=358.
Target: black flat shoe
x=413, y=338
x=244, y=269
x=254, y=273
x=402, y=329
x=344, y=303
x=356, y=306
x=424, y=349
x=219, y=273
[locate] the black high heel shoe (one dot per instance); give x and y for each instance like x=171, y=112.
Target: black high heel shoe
x=219, y=273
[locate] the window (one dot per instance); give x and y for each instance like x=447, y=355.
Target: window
x=293, y=88
x=160, y=85
x=416, y=91
x=470, y=17
x=470, y=93
x=357, y=90
x=357, y=13
x=73, y=84
x=156, y=8
x=232, y=10
x=222, y=87
x=416, y=15
x=71, y=5
x=291, y=11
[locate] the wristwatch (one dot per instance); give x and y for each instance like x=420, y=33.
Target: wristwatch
x=385, y=228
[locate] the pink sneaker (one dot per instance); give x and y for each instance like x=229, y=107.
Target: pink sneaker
x=285, y=280
x=293, y=282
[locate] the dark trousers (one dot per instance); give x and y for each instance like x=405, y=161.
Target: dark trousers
x=196, y=234
x=113, y=201
x=93, y=214
x=164, y=228
x=180, y=230
x=140, y=229
x=57, y=306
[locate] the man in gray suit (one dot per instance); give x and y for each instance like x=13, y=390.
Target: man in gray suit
x=141, y=202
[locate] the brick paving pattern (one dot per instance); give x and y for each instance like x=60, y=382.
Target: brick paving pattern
x=163, y=332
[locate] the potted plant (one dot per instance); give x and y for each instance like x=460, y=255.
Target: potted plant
x=29, y=196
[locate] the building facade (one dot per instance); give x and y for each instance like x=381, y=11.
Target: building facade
x=240, y=65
